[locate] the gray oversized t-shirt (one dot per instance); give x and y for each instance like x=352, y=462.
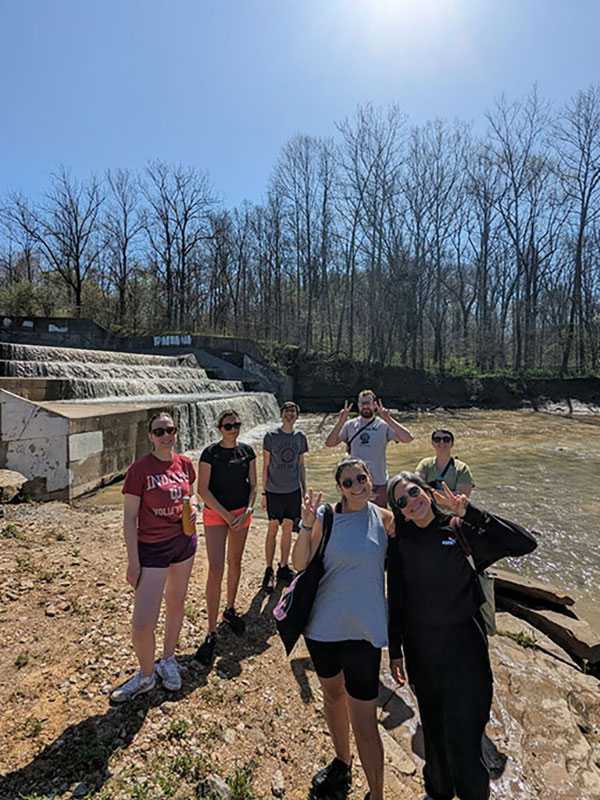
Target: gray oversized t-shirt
x=350, y=601
x=370, y=444
x=283, y=472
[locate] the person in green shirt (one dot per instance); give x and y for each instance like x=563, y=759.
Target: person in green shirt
x=444, y=467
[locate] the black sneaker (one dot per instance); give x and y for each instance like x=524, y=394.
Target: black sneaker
x=334, y=778
x=235, y=622
x=285, y=573
x=205, y=653
x=268, y=583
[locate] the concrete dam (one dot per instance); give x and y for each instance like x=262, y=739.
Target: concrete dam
x=72, y=420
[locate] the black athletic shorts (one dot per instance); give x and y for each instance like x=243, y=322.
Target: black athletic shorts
x=284, y=506
x=356, y=658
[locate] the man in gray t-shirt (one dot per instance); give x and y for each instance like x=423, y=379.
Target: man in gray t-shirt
x=284, y=485
x=367, y=437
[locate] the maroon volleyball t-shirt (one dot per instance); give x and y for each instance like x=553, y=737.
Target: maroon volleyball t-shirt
x=161, y=487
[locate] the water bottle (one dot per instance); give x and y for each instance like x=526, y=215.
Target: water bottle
x=189, y=527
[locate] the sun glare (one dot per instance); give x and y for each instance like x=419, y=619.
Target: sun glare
x=408, y=28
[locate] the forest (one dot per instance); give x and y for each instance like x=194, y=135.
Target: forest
x=446, y=246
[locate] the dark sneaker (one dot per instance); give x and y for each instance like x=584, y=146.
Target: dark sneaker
x=334, y=778
x=285, y=574
x=235, y=622
x=205, y=653
x=268, y=583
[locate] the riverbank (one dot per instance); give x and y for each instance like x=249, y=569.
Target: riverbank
x=255, y=717
x=322, y=384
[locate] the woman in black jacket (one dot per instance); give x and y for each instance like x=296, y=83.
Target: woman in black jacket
x=435, y=624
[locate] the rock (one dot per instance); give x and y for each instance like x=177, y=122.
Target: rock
x=546, y=718
x=574, y=635
x=80, y=790
x=396, y=755
x=10, y=484
x=518, y=584
x=229, y=736
x=217, y=785
x=278, y=784
x=257, y=736
x=50, y=610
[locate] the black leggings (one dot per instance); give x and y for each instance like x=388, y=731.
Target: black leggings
x=358, y=659
x=454, y=705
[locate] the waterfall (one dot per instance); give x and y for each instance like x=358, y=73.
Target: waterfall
x=81, y=415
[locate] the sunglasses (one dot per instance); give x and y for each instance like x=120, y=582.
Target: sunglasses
x=230, y=426
x=402, y=501
x=161, y=431
x=348, y=483
x=445, y=439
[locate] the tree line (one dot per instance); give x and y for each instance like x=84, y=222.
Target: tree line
x=426, y=246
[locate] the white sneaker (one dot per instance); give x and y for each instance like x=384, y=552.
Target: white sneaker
x=168, y=671
x=139, y=684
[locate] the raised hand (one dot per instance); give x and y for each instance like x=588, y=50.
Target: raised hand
x=398, y=671
x=381, y=409
x=456, y=503
x=345, y=411
x=309, y=508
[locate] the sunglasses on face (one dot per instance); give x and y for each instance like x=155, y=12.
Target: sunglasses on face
x=161, y=431
x=402, y=501
x=230, y=426
x=438, y=439
x=348, y=483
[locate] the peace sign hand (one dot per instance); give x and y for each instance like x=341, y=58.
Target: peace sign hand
x=309, y=508
x=456, y=503
x=381, y=409
x=345, y=411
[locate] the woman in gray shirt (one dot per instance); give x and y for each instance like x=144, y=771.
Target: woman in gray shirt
x=348, y=623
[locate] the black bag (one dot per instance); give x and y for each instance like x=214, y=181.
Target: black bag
x=293, y=609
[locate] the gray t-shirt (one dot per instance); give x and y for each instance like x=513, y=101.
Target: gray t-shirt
x=370, y=444
x=283, y=472
x=350, y=600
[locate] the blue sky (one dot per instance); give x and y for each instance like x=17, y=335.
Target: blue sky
x=221, y=85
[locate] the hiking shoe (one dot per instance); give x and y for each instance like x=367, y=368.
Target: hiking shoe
x=139, y=684
x=235, y=622
x=268, y=583
x=285, y=573
x=335, y=777
x=205, y=653
x=168, y=671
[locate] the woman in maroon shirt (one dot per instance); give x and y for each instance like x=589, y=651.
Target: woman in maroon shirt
x=160, y=555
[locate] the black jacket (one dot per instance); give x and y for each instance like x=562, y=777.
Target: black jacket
x=431, y=586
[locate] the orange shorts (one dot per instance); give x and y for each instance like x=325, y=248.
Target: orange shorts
x=210, y=517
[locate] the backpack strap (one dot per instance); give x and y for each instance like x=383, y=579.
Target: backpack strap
x=447, y=467
x=359, y=431
x=326, y=530
x=456, y=525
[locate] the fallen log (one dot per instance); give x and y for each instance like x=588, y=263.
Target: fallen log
x=530, y=587
x=572, y=634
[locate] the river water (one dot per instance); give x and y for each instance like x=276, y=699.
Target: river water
x=541, y=470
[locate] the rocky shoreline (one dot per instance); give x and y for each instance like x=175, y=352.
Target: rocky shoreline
x=252, y=725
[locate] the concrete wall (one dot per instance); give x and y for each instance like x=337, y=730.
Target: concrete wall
x=35, y=442
x=73, y=332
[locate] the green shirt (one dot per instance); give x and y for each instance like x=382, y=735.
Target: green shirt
x=458, y=472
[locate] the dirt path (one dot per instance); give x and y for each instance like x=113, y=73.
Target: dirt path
x=254, y=718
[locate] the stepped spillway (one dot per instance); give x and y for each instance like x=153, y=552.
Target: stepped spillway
x=74, y=419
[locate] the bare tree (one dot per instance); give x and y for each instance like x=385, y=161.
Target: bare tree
x=64, y=227
x=123, y=224
x=577, y=140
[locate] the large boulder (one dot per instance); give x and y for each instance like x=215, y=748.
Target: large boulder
x=10, y=484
